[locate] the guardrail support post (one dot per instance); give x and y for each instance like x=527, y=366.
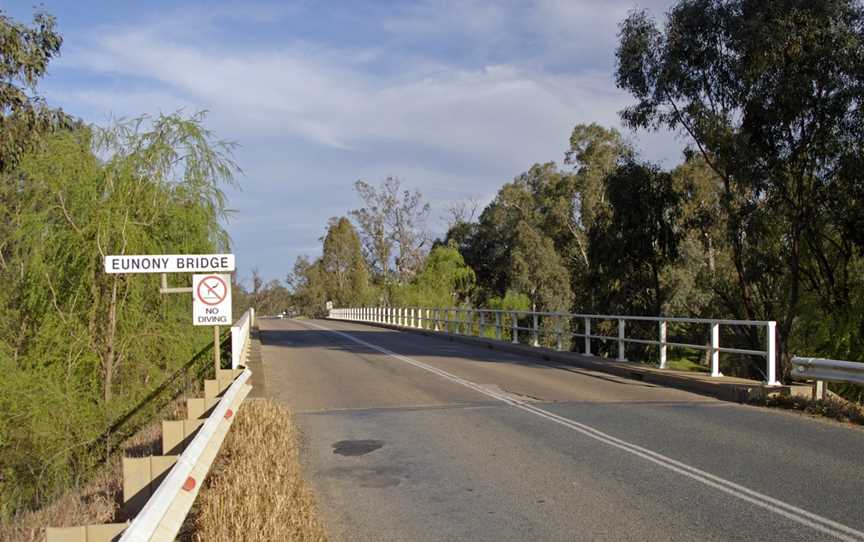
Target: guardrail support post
x=482, y=329
x=771, y=357
x=498, y=326
x=587, y=336
x=515, y=328
x=437, y=318
x=715, y=350
x=621, y=353
x=663, y=344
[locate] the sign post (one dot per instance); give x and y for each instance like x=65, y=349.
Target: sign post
x=211, y=306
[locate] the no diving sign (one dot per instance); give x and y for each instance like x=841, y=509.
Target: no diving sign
x=211, y=300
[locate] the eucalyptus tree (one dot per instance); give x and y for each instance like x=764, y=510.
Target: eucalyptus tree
x=770, y=94
x=25, y=52
x=393, y=228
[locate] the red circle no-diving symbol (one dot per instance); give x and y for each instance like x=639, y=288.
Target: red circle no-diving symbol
x=212, y=290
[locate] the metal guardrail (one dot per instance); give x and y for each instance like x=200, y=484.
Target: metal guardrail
x=458, y=320
x=830, y=370
x=165, y=511
x=162, y=516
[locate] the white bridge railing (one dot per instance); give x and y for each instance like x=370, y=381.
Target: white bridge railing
x=240, y=334
x=558, y=330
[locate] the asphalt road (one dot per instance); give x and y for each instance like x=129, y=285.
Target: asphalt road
x=414, y=438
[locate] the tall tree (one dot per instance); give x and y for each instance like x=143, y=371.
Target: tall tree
x=636, y=239
x=24, y=56
x=342, y=262
x=393, y=220
x=770, y=94
x=537, y=270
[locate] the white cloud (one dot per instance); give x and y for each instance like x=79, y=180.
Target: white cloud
x=314, y=117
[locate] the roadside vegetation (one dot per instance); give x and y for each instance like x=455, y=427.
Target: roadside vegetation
x=98, y=500
x=80, y=348
x=255, y=490
x=762, y=219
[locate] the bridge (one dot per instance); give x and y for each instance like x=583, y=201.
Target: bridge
x=410, y=436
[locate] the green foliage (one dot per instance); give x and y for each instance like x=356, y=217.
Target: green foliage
x=774, y=110
x=343, y=265
x=512, y=301
x=633, y=241
x=445, y=281
x=24, y=56
x=75, y=340
x=340, y=275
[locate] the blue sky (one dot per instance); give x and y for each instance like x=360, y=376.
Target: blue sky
x=454, y=97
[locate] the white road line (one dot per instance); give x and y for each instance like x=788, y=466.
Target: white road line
x=789, y=511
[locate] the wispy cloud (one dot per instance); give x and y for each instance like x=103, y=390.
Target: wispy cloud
x=455, y=96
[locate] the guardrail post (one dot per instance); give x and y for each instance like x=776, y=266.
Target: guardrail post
x=437, y=318
x=559, y=331
x=515, y=328
x=621, y=353
x=498, y=326
x=771, y=354
x=663, y=344
x=715, y=349
x=413, y=321
x=587, y=336
x=535, y=333
x=482, y=328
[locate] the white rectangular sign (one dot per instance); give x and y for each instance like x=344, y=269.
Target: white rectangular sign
x=170, y=263
x=211, y=300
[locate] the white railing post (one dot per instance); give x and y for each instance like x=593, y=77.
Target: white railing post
x=771, y=354
x=535, y=331
x=497, y=325
x=515, y=328
x=482, y=330
x=587, y=336
x=715, y=349
x=663, y=344
x=559, y=331
x=621, y=349
x=437, y=318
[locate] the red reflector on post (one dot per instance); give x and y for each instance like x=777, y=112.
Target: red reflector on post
x=228, y=413
x=189, y=484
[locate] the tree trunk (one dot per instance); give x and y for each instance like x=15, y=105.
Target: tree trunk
x=110, y=335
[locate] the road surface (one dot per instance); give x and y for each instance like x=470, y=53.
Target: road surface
x=415, y=438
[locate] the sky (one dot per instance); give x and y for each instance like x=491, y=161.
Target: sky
x=454, y=97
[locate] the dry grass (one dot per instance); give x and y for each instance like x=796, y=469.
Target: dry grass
x=96, y=501
x=255, y=490
x=833, y=407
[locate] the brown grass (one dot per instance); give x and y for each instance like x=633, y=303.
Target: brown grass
x=255, y=490
x=833, y=407
x=96, y=501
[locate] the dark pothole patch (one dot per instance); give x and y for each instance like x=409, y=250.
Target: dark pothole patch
x=356, y=447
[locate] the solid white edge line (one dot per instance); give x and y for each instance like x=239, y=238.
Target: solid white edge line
x=789, y=511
